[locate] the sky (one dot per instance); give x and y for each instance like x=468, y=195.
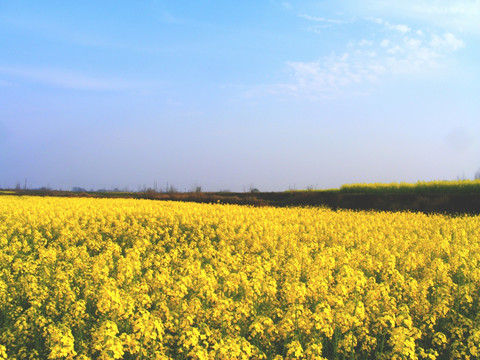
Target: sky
x=234, y=95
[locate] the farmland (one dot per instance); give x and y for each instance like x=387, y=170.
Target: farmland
x=450, y=197
x=124, y=278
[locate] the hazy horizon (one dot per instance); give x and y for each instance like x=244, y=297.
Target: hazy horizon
x=269, y=94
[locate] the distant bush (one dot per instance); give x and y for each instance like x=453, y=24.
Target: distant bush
x=78, y=189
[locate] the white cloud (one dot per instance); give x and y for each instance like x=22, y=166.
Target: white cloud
x=452, y=16
x=448, y=41
x=394, y=50
x=319, y=29
x=398, y=27
x=365, y=42
x=401, y=28
x=368, y=60
x=328, y=77
x=412, y=43
x=322, y=19
x=67, y=79
x=463, y=15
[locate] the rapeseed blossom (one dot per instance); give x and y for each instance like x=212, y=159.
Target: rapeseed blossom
x=132, y=279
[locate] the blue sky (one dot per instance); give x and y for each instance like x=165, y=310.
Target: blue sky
x=230, y=95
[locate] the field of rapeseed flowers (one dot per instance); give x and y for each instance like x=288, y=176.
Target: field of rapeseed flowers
x=426, y=187
x=138, y=279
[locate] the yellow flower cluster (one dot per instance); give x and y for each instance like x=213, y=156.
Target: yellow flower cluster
x=138, y=279
x=438, y=186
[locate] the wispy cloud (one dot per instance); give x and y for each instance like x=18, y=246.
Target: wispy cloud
x=68, y=79
x=448, y=41
x=452, y=16
x=328, y=77
x=398, y=27
x=321, y=23
x=322, y=19
x=400, y=51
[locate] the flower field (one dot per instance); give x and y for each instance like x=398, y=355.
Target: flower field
x=426, y=187
x=138, y=279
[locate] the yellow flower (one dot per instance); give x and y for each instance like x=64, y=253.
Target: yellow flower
x=113, y=278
